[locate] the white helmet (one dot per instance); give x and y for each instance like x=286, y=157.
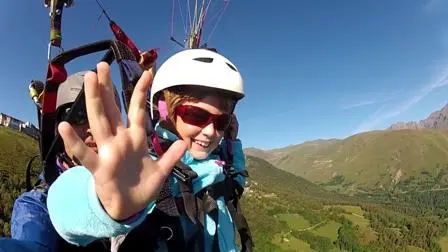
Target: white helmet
x=198, y=67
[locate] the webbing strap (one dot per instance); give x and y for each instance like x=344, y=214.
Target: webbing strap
x=166, y=202
x=190, y=206
x=241, y=224
x=197, y=206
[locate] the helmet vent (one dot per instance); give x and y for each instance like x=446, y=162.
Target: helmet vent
x=232, y=67
x=204, y=59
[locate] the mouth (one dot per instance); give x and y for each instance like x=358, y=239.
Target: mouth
x=91, y=145
x=203, y=144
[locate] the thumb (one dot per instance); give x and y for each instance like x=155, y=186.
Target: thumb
x=74, y=145
x=169, y=159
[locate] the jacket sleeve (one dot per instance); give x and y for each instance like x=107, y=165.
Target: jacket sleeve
x=8, y=245
x=30, y=221
x=77, y=213
x=239, y=161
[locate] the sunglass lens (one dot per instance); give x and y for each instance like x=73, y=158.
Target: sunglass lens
x=223, y=122
x=196, y=116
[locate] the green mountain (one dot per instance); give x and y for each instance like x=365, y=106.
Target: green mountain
x=15, y=151
x=400, y=160
x=289, y=213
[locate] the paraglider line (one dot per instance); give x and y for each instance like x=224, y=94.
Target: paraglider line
x=103, y=10
x=217, y=22
x=218, y=13
x=177, y=42
x=172, y=20
x=195, y=17
x=189, y=14
x=184, y=20
x=206, y=9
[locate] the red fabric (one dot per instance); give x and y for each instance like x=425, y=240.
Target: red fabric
x=156, y=144
x=122, y=37
x=49, y=104
x=56, y=75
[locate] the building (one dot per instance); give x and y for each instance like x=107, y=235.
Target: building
x=29, y=129
x=16, y=124
x=9, y=121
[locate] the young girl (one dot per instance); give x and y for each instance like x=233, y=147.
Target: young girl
x=136, y=199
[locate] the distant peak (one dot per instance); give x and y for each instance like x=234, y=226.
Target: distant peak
x=436, y=120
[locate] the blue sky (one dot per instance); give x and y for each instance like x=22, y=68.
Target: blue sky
x=312, y=68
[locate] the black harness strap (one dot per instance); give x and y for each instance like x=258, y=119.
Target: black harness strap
x=196, y=207
x=182, y=171
x=242, y=226
x=162, y=225
x=232, y=192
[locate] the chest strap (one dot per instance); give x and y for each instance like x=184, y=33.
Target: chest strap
x=195, y=207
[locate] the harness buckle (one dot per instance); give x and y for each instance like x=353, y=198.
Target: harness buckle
x=167, y=232
x=229, y=171
x=184, y=175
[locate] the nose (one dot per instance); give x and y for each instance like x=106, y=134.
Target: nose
x=209, y=130
x=88, y=130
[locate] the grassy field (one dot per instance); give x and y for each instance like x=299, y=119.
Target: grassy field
x=415, y=249
x=15, y=151
x=295, y=221
x=353, y=209
x=444, y=243
x=358, y=220
x=329, y=230
x=287, y=242
x=356, y=215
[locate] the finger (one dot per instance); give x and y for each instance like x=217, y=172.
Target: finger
x=143, y=57
x=169, y=159
x=73, y=144
x=95, y=108
x=137, y=107
x=108, y=96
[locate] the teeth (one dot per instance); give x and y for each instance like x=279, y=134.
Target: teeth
x=202, y=144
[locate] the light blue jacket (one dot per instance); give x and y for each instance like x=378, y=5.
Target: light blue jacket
x=79, y=218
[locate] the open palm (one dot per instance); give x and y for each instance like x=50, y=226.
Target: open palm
x=126, y=178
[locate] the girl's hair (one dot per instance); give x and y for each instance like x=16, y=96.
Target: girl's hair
x=175, y=96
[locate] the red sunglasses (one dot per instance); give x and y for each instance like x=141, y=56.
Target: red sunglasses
x=201, y=117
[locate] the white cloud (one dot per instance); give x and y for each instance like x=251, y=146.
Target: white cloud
x=432, y=5
x=380, y=115
x=374, y=99
x=360, y=104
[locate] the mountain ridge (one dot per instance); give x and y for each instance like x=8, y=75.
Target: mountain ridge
x=436, y=120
